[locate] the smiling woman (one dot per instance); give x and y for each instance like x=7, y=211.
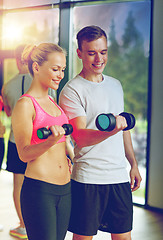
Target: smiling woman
x=47, y=176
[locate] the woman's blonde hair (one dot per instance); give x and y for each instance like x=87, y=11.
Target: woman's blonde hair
x=39, y=54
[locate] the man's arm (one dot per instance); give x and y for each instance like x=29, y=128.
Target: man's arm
x=129, y=152
x=87, y=137
x=2, y=129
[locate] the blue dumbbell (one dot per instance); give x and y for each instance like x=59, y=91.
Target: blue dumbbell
x=44, y=133
x=107, y=122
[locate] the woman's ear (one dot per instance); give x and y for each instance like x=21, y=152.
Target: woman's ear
x=35, y=67
x=78, y=53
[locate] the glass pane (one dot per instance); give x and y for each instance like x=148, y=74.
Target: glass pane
x=9, y=4
x=30, y=27
x=25, y=27
x=77, y=0
x=128, y=27
x=108, y=1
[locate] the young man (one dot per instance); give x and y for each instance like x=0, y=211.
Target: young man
x=101, y=193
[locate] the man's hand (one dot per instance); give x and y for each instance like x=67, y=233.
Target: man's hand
x=135, y=178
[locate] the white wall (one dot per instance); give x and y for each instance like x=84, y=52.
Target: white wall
x=155, y=190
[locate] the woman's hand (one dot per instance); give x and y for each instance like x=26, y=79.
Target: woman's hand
x=57, y=133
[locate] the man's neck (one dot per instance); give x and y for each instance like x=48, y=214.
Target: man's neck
x=92, y=78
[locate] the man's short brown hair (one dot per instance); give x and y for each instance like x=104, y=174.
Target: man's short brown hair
x=89, y=33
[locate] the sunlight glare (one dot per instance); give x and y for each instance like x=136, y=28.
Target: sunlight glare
x=13, y=32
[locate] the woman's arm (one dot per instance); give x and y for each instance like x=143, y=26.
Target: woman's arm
x=22, y=123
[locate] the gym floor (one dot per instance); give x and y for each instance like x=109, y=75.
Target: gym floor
x=147, y=224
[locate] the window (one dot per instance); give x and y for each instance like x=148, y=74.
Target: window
x=127, y=24
x=30, y=27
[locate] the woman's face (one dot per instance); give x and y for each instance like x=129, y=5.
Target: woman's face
x=51, y=72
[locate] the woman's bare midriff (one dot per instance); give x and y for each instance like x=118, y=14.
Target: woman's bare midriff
x=50, y=167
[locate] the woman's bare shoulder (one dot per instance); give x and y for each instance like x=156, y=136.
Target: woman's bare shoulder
x=24, y=106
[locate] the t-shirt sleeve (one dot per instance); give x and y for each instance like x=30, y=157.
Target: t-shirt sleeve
x=71, y=102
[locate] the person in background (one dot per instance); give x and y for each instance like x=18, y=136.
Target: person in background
x=2, y=147
x=46, y=190
x=101, y=192
x=11, y=92
x=2, y=131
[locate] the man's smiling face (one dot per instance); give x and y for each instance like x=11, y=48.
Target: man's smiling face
x=94, y=55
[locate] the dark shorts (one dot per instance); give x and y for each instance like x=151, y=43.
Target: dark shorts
x=107, y=208
x=14, y=164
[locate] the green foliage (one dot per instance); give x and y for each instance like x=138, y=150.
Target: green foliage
x=128, y=63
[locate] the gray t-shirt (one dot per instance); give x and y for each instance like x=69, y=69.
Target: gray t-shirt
x=14, y=89
x=103, y=163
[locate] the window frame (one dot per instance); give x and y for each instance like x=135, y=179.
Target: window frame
x=65, y=40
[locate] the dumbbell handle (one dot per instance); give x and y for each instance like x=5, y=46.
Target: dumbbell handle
x=107, y=122
x=44, y=133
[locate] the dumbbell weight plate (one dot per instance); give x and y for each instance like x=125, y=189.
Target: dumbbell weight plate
x=43, y=133
x=105, y=122
x=130, y=120
x=68, y=128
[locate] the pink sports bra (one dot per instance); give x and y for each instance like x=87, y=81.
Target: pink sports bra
x=43, y=119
